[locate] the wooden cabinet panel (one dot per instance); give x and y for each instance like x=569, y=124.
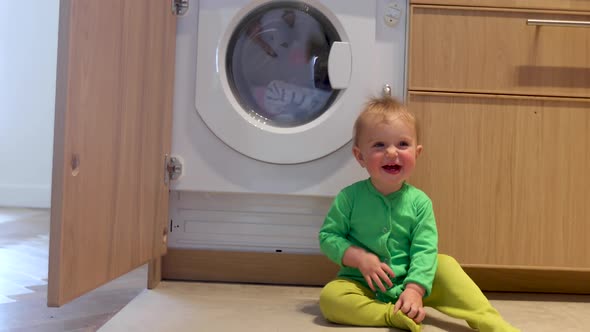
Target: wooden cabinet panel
x=508, y=178
x=109, y=207
x=462, y=49
x=536, y=4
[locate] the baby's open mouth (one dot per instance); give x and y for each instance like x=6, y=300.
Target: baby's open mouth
x=392, y=168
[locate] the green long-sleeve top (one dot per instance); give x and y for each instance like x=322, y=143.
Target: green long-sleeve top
x=399, y=228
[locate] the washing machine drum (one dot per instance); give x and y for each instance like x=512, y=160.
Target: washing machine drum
x=278, y=90
x=277, y=66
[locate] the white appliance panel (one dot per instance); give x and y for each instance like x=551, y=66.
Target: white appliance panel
x=211, y=165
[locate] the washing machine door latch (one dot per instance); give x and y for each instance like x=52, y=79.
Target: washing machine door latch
x=179, y=7
x=386, y=90
x=173, y=168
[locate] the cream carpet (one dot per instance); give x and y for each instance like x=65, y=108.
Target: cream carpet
x=192, y=306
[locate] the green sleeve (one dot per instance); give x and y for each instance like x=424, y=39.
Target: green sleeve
x=423, y=248
x=334, y=232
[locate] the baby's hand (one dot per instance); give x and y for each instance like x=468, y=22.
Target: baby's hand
x=410, y=303
x=376, y=272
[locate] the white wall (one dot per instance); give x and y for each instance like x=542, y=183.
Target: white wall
x=28, y=54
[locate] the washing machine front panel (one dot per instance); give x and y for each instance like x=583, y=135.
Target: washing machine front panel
x=211, y=165
x=282, y=82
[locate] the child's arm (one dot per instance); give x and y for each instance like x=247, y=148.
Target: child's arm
x=423, y=262
x=334, y=232
x=373, y=270
x=334, y=243
x=423, y=248
x=410, y=302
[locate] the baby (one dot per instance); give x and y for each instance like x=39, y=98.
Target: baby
x=382, y=232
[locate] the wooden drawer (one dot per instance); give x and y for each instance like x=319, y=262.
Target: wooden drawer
x=519, y=4
x=508, y=177
x=485, y=50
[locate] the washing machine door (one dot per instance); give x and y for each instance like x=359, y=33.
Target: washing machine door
x=283, y=81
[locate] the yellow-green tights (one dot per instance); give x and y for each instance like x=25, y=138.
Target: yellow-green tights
x=453, y=293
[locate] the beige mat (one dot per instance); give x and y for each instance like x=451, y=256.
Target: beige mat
x=191, y=306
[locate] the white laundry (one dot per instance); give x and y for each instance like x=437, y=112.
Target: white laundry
x=282, y=97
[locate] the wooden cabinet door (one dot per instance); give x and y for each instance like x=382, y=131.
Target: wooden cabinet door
x=113, y=111
x=493, y=50
x=508, y=177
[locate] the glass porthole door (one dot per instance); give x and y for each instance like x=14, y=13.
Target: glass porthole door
x=274, y=78
x=277, y=64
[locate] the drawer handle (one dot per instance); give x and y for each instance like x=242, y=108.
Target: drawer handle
x=580, y=24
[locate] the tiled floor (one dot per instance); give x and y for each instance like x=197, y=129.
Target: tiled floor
x=12, y=214
x=192, y=306
x=23, y=252
x=24, y=243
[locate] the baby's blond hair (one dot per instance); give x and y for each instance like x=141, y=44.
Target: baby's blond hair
x=379, y=110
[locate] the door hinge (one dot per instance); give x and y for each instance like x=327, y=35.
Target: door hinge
x=173, y=168
x=179, y=7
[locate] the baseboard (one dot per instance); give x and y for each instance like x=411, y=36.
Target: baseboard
x=248, y=267
x=317, y=270
x=533, y=280
x=25, y=196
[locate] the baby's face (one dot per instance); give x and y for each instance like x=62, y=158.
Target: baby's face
x=388, y=150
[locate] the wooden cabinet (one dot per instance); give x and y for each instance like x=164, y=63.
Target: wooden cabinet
x=109, y=204
x=563, y=5
x=504, y=108
x=505, y=115
x=495, y=51
x=508, y=178
x=109, y=209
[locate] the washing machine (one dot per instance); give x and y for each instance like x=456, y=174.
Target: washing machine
x=266, y=94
